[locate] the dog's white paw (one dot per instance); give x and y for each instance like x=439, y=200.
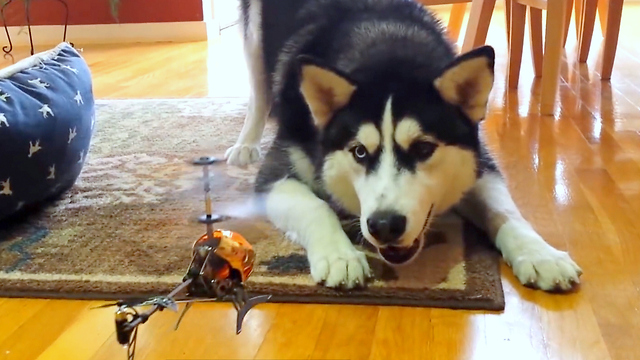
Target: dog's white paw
x=548, y=270
x=534, y=262
x=242, y=155
x=344, y=267
x=541, y=266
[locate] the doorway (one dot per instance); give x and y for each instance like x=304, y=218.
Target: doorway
x=219, y=15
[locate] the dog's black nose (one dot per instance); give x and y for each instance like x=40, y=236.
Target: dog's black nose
x=386, y=226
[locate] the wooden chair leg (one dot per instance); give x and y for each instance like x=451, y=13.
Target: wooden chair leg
x=577, y=9
x=518, y=20
x=456, y=18
x=552, y=55
x=478, y=24
x=567, y=21
x=588, y=19
x=603, y=7
x=610, y=43
x=507, y=15
x=535, y=32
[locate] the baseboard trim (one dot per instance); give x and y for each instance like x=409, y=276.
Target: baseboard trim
x=47, y=35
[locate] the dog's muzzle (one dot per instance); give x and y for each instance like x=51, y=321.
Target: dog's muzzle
x=398, y=255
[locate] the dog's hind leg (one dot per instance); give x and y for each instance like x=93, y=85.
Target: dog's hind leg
x=247, y=147
x=293, y=208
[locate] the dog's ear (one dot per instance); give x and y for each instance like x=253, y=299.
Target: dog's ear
x=325, y=90
x=467, y=82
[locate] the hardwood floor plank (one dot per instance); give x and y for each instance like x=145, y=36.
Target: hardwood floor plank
x=149, y=336
x=45, y=326
x=208, y=332
x=294, y=332
x=518, y=332
x=403, y=333
x=452, y=333
x=83, y=337
x=347, y=333
x=616, y=299
x=15, y=312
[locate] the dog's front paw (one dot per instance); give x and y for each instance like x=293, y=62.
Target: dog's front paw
x=543, y=267
x=339, y=267
x=242, y=155
x=534, y=262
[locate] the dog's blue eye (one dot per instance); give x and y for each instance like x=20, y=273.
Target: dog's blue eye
x=422, y=149
x=359, y=152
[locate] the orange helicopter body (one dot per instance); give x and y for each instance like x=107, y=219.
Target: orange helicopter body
x=235, y=250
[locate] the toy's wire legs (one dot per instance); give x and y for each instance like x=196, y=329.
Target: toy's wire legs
x=131, y=348
x=187, y=306
x=243, y=305
x=242, y=312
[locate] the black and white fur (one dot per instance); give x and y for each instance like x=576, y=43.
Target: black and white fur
x=377, y=118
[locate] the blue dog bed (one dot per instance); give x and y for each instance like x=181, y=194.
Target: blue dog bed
x=47, y=116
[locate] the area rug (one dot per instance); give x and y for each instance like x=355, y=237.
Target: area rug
x=127, y=226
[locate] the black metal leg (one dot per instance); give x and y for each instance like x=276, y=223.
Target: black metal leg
x=6, y=29
x=27, y=6
x=66, y=20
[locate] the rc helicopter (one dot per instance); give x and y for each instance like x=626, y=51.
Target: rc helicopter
x=221, y=262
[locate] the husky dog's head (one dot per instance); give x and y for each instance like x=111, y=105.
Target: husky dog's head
x=399, y=151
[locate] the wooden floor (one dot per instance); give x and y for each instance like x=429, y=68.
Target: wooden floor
x=575, y=176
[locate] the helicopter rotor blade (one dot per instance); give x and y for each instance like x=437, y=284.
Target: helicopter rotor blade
x=132, y=302
x=104, y=306
x=194, y=300
x=161, y=301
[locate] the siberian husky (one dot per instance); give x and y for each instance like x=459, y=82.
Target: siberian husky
x=378, y=117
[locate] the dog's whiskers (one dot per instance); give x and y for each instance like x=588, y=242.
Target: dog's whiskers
x=353, y=222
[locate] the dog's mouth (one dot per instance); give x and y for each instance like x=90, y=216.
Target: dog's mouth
x=401, y=254
x=398, y=254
